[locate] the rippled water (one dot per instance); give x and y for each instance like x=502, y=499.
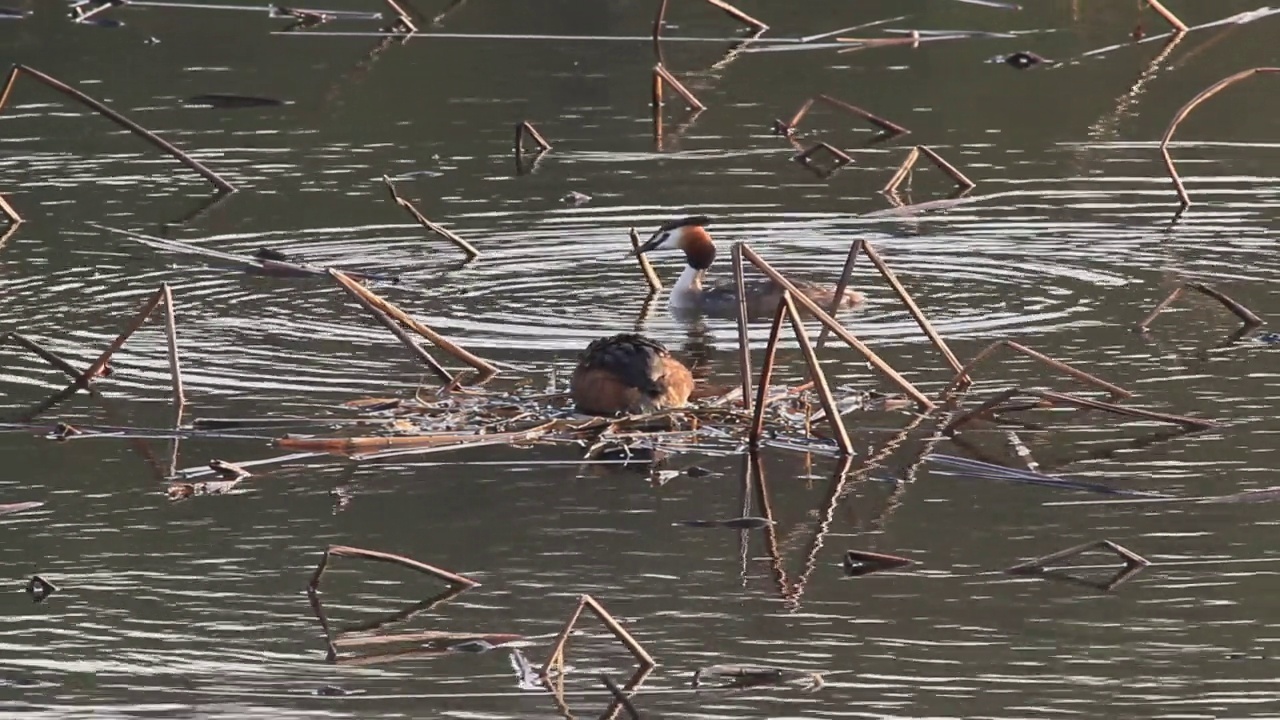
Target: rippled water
x=198, y=608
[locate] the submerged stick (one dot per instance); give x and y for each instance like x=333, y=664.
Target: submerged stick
x=840, y=331
x=465, y=246
x=662, y=74
x=175, y=368
x=439, y=340
x=1182, y=114
x=1169, y=17
x=646, y=267
x=116, y=117
x=766, y=373
x=355, y=552
x=744, y=340
x=819, y=378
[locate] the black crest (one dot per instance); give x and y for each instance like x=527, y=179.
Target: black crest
x=700, y=220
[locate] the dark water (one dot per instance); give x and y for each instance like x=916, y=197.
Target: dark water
x=198, y=608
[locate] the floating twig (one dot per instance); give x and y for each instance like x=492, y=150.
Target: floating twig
x=439, y=340
x=660, y=75
x=1040, y=564
x=960, y=379
x=1246, y=315
x=888, y=127
x=523, y=130
x=556, y=658
x=946, y=167
x=1177, y=25
x=1182, y=113
x=466, y=247
x=740, y=676
x=924, y=402
x=650, y=275
x=116, y=117
x=861, y=562
x=361, y=553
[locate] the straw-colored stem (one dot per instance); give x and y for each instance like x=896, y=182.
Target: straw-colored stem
x=946, y=167
x=1060, y=366
x=679, y=87
x=1182, y=420
x=1185, y=110
x=9, y=212
x=744, y=341
x=903, y=170
x=1245, y=314
x=465, y=246
x=81, y=15
x=739, y=15
x=841, y=156
x=819, y=378
x=137, y=322
x=1159, y=308
x=557, y=649
x=361, y=553
x=403, y=16
x=525, y=129
x=657, y=103
x=924, y=402
x=766, y=373
x=620, y=632
x=646, y=267
x=658, y=21
x=175, y=367
x=854, y=248
x=440, y=341
x=1169, y=17
x=1039, y=564
x=804, y=110
x=874, y=256
x=886, y=125
x=413, y=347
x=119, y=119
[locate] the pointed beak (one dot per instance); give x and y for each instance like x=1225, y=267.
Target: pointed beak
x=650, y=244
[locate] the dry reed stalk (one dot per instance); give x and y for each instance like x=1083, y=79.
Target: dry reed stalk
x=1145, y=324
x=863, y=562
x=586, y=601
x=819, y=378
x=366, y=444
x=14, y=218
x=43, y=353
x=982, y=410
x=116, y=117
x=439, y=340
x=465, y=246
x=134, y=324
x=766, y=373
x=658, y=100
x=525, y=129
x=1181, y=115
x=424, y=636
x=658, y=21
x=395, y=329
x=662, y=74
x=842, y=158
x=646, y=267
x=175, y=368
x=403, y=16
x=619, y=697
x=355, y=552
x=80, y=14
x=1038, y=565
x=1178, y=26
x=903, y=170
x=744, y=340
x=874, y=256
x=1080, y=375
x=924, y=402
x=738, y=15
x=887, y=126
x=1064, y=398
x=854, y=248
x=1246, y=315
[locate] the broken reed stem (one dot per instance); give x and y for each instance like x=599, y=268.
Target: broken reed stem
x=466, y=247
x=854, y=248
x=1162, y=11
x=1182, y=113
x=175, y=368
x=658, y=101
x=981, y=411
x=586, y=601
x=819, y=378
x=744, y=340
x=874, y=256
x=404, y=338
x=134, y=324
x=439, y=340
x=116, y=117
x=658, y=21
x=355, y=552
x=662, y=74
x=82, y=15
x=1145, y=324
x=766, y=373
x=1039, y=564
x=619, y=696
x=886, y=125
x=44, y=354
x=1182, y=420
x=14, y=218
x=946, y=167
x=841, y=156
x=404, y=16
x=1246, y=315
x=525, y=129
x=1080, y=375
x=739, y=15
x=646, y=267
x=924, y=402
x=903, y=170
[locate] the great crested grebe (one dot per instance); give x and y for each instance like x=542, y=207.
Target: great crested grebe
x=628, y=373
x=690, y=235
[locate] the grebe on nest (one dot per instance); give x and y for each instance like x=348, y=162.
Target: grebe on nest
x=628, y=373
x=690, y=235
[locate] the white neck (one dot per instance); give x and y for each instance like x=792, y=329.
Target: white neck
x=688, y=288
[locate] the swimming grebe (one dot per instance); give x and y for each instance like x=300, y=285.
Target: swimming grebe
x=690, y=235
x=628, y=373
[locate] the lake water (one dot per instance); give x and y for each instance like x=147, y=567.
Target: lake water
x=198, y=608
